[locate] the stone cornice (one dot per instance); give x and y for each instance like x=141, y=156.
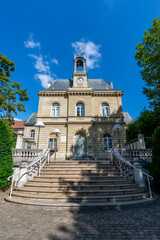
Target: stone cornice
x=81, y=92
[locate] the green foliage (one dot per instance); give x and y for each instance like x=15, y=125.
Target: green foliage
x=146, y=123
x=155, y=165
x=148, y=57
x=6, y=162
x=14, y=138
x=131, y=131
x=11, y=95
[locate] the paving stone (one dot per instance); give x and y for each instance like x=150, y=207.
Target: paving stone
x=19, y=222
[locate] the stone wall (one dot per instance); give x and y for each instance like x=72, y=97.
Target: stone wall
x=92, y=124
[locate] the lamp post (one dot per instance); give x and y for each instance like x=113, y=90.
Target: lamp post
x=56, y=131
x=39, y=124
x=118, y=127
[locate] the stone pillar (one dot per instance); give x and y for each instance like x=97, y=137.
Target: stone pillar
x=19, y=142
x=138, y=175
x=141, y=141
x=22, y=176
x=15, y=170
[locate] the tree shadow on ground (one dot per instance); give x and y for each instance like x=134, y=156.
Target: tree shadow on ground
x=90, y=222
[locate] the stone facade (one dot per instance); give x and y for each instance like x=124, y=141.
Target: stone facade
x=90, y=126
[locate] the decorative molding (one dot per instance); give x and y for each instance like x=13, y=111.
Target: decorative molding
x=79, y=91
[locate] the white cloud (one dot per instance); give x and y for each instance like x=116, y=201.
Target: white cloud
x=44, y=74
x=18, y=120
x=44, y=79
x=43, y=68
x=30, y=43
x=40, y=64
x=90, y=50
x=54, y=60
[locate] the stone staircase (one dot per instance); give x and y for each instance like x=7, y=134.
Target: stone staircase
x=73, y=183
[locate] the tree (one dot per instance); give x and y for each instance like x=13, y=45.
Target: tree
x=146, y=123
x=11, y=95
x=6, y=145
x=155, y=165
x=148, y=56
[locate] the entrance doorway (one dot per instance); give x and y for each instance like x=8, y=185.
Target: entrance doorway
x=53, y=142
x=107, y=142
x=79, y=145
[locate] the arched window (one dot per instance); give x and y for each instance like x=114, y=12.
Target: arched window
x=105, y=110
x=107, y=142
x=55, y=110
x=32, y=134
x=80, y=109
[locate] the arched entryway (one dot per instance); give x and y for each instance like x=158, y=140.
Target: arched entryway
x=79, y=145
x=107, y=142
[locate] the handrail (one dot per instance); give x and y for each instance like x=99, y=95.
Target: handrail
x=124, y=161
x=35, y=163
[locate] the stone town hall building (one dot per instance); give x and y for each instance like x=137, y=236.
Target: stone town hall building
x=84, y=111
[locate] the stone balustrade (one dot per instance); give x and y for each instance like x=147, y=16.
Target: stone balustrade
x=140, y=154
x=26, y=153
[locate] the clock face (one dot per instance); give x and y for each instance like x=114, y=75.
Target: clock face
x=80, y=80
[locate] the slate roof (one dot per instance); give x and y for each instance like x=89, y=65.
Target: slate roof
x=32, y=120
x=64, y=84
x=127, y=117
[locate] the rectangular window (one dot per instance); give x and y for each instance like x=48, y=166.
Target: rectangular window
x=53, y=143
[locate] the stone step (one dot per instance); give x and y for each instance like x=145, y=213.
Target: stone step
x=86, y=171
x=79, y=162
x=71, y=192
x=80, y=198
x=73, y=205
x=80, y=186
x=82, y=174
x=77, y=178
x=78, y=182
x=79, y=167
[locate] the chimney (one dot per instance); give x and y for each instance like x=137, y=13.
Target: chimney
x=111, y=84
x=49, y=84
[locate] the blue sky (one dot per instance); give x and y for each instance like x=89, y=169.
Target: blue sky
x=41, y=37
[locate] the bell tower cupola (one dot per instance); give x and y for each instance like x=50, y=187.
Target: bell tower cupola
x=80, y=79
x=79, y=64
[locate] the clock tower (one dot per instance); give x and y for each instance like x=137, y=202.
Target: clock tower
x=80, y=77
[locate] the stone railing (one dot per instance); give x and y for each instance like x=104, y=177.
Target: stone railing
x=131, y=171
x=26, y=153
x=140, y=154
x=28, y=171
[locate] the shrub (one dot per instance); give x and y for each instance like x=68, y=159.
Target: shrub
x=6, y=162
x=155, y=165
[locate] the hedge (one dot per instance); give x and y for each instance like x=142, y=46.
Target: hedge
x=6, y=162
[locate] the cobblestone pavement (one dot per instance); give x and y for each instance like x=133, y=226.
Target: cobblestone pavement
x=23, y=222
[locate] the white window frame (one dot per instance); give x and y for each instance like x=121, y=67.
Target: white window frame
x=81, y=111
x=55, y=110
x=109, y=138
x=105, y=110
x=32, y=133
